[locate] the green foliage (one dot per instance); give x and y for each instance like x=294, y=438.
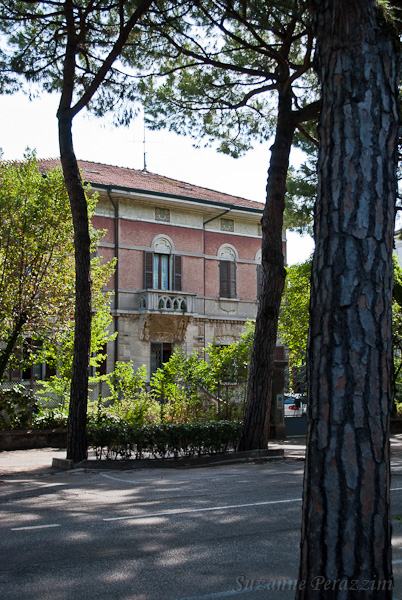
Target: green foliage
x=222, y=66
x=125, y=383
x=37, y=274
x=42, y=38
x=58, y=350
x=301, y=192
x=390, y=12
x=131, y=402
x=187, y=389
x=294, y=315
x=55, y=389
x=119, y=439
x=230, y=363
x=36, y=258
x=397, y=335
x=20, y=408
x=17, y=407
x=191, y=388
x=50, y=418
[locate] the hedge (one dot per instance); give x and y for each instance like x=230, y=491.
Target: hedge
x=117, y=439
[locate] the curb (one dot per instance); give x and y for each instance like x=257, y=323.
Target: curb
x=62, y=463
x=161, y=463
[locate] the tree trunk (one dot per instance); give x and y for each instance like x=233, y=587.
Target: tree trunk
x=12, y=340
x=259, y=390
x=76, y=429
x=346, y=534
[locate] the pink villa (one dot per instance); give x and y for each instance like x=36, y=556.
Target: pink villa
x=188, y=263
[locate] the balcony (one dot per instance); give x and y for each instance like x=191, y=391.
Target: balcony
x=165, y=301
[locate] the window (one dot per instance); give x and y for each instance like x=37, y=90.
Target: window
x=162, y=271
x=227, y=279
x=160, y=353
x=227, y=271
x=35, y=371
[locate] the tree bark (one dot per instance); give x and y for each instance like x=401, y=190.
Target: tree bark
x=346, y=534
x=77, y=417
x=12, y=340
x=76, y=428
x=259, y=389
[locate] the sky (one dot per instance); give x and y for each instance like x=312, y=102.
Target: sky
x=33, y=124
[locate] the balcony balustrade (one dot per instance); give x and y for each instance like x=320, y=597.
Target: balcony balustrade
x=166, y=301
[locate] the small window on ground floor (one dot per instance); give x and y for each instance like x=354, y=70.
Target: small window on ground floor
x=160, y=353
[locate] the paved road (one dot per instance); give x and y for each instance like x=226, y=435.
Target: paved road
x=199, y=534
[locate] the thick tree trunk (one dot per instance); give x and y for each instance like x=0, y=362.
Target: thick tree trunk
x=76, y=430
x=259, y=391
x=346, y=535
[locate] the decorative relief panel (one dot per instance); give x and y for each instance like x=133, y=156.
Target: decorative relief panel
x=227, y=225
x=162, y=214
x=227, y=253
x=162, y=245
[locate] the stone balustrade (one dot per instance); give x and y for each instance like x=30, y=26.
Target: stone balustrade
x=166, y=301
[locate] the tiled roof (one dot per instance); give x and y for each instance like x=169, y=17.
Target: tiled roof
x=121, y=177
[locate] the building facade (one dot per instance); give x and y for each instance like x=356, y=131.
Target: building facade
x=188, y=263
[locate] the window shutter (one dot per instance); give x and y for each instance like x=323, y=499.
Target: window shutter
x=148, y=270
x=224, y=278
x=232, y=279
x=177, y=262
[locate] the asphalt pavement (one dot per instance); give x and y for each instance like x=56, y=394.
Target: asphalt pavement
x=227, y=532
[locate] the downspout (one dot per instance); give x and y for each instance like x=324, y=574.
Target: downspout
x=203, y=228
x=116, y=273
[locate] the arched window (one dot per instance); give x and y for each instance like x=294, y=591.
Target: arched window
x=227, y=271
x=162, y=268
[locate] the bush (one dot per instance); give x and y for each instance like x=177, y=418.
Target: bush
x=50, y=418
x=18, y=407
x=116, y=438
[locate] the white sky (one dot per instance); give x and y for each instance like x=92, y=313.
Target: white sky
x=33, y=124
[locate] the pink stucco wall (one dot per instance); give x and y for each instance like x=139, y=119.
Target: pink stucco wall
x=186, y=240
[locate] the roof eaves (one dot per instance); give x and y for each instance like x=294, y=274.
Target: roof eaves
x=175, y=196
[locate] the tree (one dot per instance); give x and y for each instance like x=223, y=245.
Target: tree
x=247, y=78
x=397, y=334
x=36, y=257
x=37, y=271
x=59, y=348
x=301, y=192
x=294, y=317
x=71, y=47
x=346, y=535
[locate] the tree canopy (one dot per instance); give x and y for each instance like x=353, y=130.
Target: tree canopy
x=36, y=255
x=294, y=315
x=37, y=269
x=215, y=70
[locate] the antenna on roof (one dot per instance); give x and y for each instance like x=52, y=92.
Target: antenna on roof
x=144, y=170
x=145, y=143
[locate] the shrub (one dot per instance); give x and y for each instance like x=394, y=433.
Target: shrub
x=115, y=438
x=18, y=407
x=50, y=418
